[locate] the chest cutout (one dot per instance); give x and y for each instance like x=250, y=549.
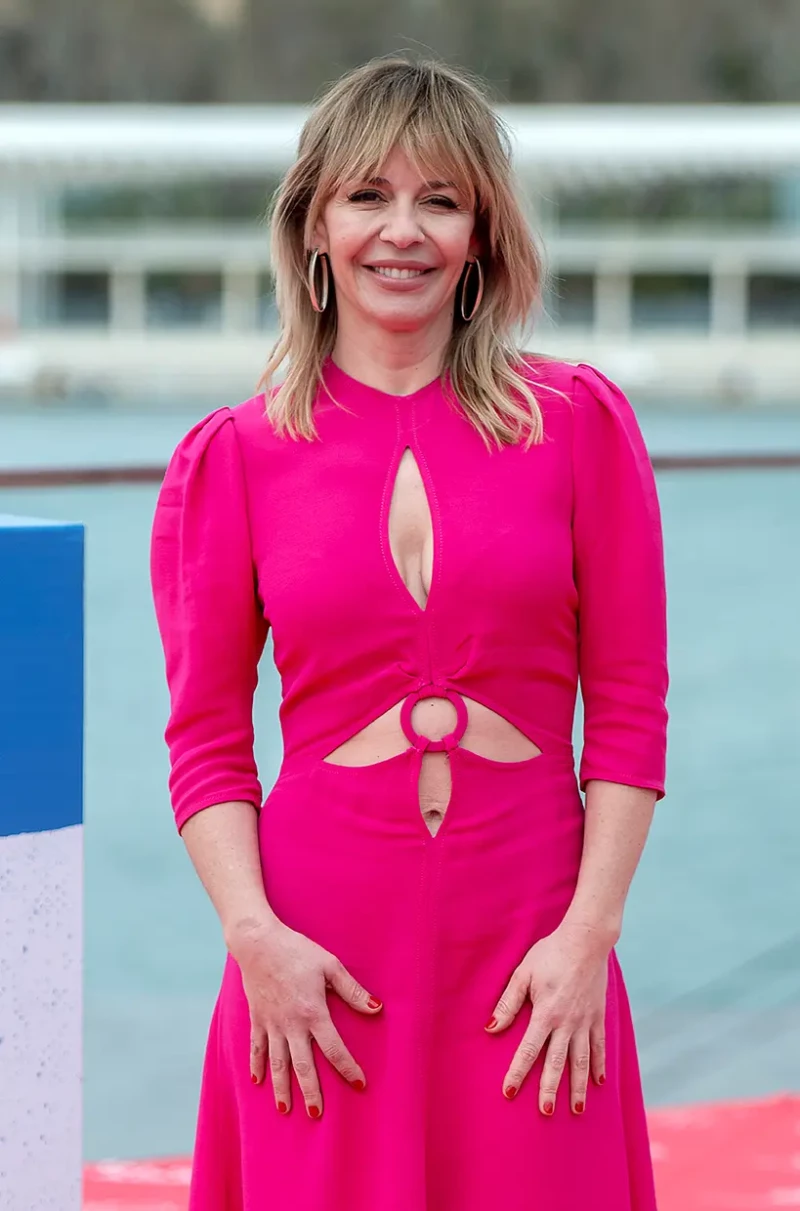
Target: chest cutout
x=411, y=529
x=434, y=717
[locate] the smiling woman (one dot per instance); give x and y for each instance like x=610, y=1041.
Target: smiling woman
x=397, y=247
x=444, y=534
x=404, y=174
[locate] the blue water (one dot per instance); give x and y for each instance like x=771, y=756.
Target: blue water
x=711, y=948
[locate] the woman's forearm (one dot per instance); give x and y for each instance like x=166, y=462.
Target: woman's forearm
x=223, y=845
x=617, y=822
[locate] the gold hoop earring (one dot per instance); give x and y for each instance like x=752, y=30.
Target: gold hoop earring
x=479, y=294
x=317, y=257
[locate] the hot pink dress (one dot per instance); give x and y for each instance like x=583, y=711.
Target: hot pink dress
x=548, y=567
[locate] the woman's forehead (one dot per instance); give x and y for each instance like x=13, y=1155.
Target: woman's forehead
x=433, y=167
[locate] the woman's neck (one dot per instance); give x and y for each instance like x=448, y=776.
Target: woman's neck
x=398, y=363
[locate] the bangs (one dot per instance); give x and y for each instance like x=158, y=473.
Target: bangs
x=433, y=136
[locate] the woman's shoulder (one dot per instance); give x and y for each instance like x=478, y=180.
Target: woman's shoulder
x=567, y=377
x=226, y=425
x=581, y=389
x=211, y=450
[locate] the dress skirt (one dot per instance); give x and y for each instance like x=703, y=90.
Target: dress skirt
x=434, y=926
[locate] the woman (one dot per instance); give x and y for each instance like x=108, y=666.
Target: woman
x=421, y=1008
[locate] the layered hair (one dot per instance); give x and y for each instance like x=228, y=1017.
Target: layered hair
x=443, y=120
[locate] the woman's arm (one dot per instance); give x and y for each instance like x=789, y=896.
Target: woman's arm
x=622, y=663
x=618, y=819
x=211, y=622
x=222, y=842
x=213, y=630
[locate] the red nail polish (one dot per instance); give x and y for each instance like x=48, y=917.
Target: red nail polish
x=492, y=1022
x=548, y=1107
x=254, y=1078
x=510, y=1091
x=314, y=1111
x=358, y=1083
x=374, y=1003
x=283, y=1108
x=579, y=1107
x=601, y=1080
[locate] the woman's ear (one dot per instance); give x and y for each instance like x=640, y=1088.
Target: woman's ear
x=475, y=246
x=320, y=235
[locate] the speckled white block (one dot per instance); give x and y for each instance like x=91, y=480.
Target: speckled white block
x=41, y=1020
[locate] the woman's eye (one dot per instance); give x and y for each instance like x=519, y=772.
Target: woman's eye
x=372, y=195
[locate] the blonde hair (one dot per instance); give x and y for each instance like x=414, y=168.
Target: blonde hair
x=441, y=118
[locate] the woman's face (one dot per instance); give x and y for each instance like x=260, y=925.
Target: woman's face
x=397, y=246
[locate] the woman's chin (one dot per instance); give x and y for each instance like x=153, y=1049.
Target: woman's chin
x=399, y=318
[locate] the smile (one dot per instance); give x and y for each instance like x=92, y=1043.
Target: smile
x=399, y=274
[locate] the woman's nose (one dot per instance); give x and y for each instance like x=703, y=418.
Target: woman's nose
x=402, y=227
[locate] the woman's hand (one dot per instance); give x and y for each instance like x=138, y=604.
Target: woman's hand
x=565, y=975
x=285, y=976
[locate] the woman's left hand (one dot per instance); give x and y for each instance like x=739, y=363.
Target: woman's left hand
x=565, y=975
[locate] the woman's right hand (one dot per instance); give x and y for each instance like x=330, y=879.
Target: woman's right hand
x=285, y=977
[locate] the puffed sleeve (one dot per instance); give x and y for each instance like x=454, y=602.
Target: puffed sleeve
x=619, y=571
x=211, y=624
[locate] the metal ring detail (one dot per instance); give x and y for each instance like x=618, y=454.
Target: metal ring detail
x=425, y=744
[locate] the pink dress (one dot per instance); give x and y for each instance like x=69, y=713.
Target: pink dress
x=548, y=567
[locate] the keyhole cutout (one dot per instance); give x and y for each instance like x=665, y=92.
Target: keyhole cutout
x=411, y=530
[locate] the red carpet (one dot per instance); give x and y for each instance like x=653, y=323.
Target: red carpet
x=731, y=1156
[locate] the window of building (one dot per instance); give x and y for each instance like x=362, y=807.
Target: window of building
x=670, y=300
x=234, y=200
x=774, y=300
x=702, y=200
x=570, y=300
x=183, y=300
x=71, y=298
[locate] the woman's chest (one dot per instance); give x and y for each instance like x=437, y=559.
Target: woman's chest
x=409, y=521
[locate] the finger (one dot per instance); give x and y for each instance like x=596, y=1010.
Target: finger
x=597, y=1043
x=332, y=1047
x=280, y=1066
x=526, y=1055
x=258, y=1053
x=579, y=1070
x=306, y=1073
x=554, y=1065
x=514, y=996
x=349, y=989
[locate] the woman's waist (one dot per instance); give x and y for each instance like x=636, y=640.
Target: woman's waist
x=431, y=717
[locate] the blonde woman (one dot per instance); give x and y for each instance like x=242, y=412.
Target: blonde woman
x=421, y=1007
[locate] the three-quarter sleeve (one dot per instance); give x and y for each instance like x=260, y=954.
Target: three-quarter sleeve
x=211, y=624
x=619, y=572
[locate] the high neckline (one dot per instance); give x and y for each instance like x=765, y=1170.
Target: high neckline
x=338, y=380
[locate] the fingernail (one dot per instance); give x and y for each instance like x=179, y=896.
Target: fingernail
x=492, y=1022
x=254, y=1078
x=358, y=1083
x=283, y=1108
x=510, y=1091
x=579, y=1107
x=601, y=1080
x=313, y=1111
x=374, y=1003
x=548, y=1107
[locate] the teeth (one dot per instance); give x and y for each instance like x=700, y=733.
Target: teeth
x=386, y=272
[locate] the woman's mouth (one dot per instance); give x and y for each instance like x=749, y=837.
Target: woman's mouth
x=396, y=274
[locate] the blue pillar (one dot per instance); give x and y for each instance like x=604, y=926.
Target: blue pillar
x=41, y=851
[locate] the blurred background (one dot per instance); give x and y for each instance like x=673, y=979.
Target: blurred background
x=659, y=146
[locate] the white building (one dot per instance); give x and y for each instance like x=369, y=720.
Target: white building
x=133, y=262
